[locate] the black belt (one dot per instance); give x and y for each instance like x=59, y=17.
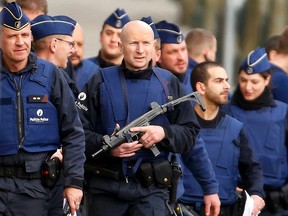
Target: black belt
x=18, y=172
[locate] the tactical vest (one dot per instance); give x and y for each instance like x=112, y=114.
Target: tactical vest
x=266, y=132
x=40, y=117
x=222, y=144
x=126, y=99
x=83, y=72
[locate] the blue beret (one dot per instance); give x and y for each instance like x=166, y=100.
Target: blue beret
x=118, y=19
x=256, y=62
x=150, y=22
x=44, y=25
x=12, y=17
x=169, y=32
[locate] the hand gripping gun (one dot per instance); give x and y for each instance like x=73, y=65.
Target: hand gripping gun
x=125, y=135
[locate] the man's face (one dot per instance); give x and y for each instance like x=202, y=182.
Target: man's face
x=174, y=57
x=16, y=45
x=217, y=88
x=137, y=48
x=64, y=49
x=78, y=53
x=109, y=39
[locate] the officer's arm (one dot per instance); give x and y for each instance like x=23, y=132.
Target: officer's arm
x=89, y=109
x=181, y=133
x=250, y=169
x=71, y=131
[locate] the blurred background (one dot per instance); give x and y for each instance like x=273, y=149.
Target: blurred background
x=239, y=25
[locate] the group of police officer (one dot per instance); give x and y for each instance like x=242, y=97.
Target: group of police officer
x=139, y=63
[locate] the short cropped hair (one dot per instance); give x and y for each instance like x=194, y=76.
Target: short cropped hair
x=200, y=73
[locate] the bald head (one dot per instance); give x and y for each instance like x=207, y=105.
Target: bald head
x=136, y=26
x=137, y=44
x=78, y=38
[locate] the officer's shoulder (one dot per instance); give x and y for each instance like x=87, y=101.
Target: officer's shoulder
x=46, y=63
x=47, y=66
x=233, y=120
x=281, y=104
x=165, y=72
x=92, y=59
x=92, y=67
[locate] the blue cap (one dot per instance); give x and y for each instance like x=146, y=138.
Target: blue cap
x=256, y=62
x=169, y=32
x=12, y=17
x=44, y=25
x=118, y=19
x=150, y=22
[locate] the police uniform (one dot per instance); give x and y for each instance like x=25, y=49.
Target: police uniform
x=197, y=160
x=171, y=33
x=279, y=82
x=228, y=150
x=36, y=104
x=83, y=72
x=114, y=96
x=117, y=20
x=44, y=25
x=265, y=120
x=198, y=164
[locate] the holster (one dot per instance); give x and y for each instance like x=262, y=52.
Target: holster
x=50, y=172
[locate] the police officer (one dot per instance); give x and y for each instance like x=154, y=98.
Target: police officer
x=201, y=46
x=37, y=113
x=174, y=55
x=118, y=95
x=197, y=160
x=52, y=41
x=279, y=68
x=110, y=53
x=266, y=123
x=226, y=144
x=83, y=69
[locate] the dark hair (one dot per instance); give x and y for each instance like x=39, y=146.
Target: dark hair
x=272, y=43
x=200, y=73
x=283, y=42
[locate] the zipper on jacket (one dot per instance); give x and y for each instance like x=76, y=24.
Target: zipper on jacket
x=19, y=107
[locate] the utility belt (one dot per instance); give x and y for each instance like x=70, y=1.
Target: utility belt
x=158, y=173
x=277, y=198
x=49, y=173
x=18, y=172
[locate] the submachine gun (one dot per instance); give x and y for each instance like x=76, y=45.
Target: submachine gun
x=125, y=135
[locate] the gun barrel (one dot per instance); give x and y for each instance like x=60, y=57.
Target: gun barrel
x=98, y=152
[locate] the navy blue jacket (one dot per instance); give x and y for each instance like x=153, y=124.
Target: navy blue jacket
x=180, y=132
x=43, y=101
